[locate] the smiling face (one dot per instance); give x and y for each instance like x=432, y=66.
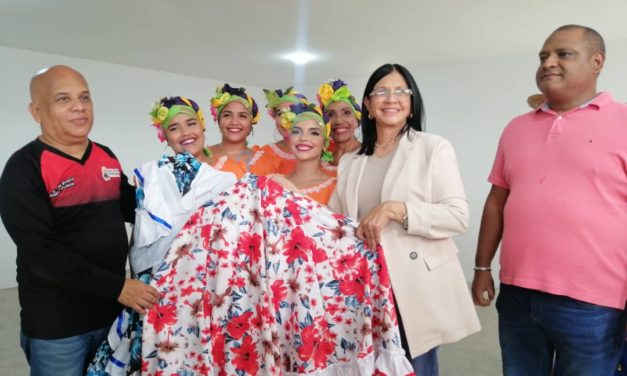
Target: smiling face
x=61, y=104
x=306, y=140
x=235, y=123
x=343, y=121
x=569, y=67
x=185, y=133
x=390, y=110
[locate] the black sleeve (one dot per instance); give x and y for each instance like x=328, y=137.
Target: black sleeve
x=27, y=215
x=127, y=192
x=128, y=202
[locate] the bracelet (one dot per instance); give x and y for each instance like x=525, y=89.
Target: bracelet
x=482, y=268
x=405, y=220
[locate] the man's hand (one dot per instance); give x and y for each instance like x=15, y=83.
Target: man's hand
x=482, y=288
x=138, y=296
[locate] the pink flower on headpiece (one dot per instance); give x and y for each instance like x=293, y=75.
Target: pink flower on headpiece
x=160, y=132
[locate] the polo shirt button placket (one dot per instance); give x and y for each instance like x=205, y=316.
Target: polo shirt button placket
x=556, y=127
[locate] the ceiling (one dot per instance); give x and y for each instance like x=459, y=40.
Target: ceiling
x=241, y=41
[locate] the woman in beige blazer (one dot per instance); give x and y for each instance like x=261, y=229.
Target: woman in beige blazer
x=405, y=187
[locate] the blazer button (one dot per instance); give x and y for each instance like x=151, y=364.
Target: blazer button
x=413, y=255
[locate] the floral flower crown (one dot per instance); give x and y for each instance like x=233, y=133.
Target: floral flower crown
x=278, y=96
x=166, y=108
x=337, y=91
x=308, y=111
x=226, y=94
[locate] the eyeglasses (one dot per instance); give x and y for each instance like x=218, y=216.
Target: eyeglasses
x=384, y=93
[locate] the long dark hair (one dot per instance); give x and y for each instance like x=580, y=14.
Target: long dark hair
x=368, y=126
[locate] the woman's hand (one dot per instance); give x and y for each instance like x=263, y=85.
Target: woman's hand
x=370, y=227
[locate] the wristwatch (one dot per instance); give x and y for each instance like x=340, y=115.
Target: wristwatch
x=405, y=223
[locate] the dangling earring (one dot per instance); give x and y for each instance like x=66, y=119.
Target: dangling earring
x=370, y=116
x=411, y=115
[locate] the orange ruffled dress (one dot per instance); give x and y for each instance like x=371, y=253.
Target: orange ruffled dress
x=320, y=193
x=260, y=164
x=284, y=163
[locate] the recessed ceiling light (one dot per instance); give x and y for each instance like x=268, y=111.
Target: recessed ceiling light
x=300, y=57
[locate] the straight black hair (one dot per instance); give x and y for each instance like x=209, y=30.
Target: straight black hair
x=417, y=112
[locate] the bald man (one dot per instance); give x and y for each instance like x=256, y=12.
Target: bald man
x=559, y=204
x=64, y=204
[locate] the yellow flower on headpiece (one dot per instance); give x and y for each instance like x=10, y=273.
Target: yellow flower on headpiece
x=186, y=101
x=325, y=93
x=201, y=118
x=162, y=113
x=287, y=118
x=220, y=100
x=327, y=131
x=256, y=118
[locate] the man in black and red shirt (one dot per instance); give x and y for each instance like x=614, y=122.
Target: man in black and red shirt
x=64, y=201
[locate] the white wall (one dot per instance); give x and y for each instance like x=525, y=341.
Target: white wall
x=122, y=98
x=469, y=103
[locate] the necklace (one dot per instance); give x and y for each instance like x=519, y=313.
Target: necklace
x=384, y=146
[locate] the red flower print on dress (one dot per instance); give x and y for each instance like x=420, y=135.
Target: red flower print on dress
x=249, y=245
x=279, y=292
x=161, y=315
x=298, y=246
x=217, y=350
x=203, y=369
x=239, y=282
x=206, y=304
x=246, y=356
x=294, y=209
x=319, y=255
x=205, y=233
x=356, y=285
x=346, y=263
x=187, y=290
x=194, y=218
x=382, y=273
x=272, y=192
x=315, y=347
x=276, y=297
x=337, y=232
x=238, y=325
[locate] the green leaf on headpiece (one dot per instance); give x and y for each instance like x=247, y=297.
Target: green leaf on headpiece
x=272, y=97
x=341, y=93
x=327, y=156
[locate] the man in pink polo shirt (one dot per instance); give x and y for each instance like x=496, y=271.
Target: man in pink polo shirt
x=558, y=204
